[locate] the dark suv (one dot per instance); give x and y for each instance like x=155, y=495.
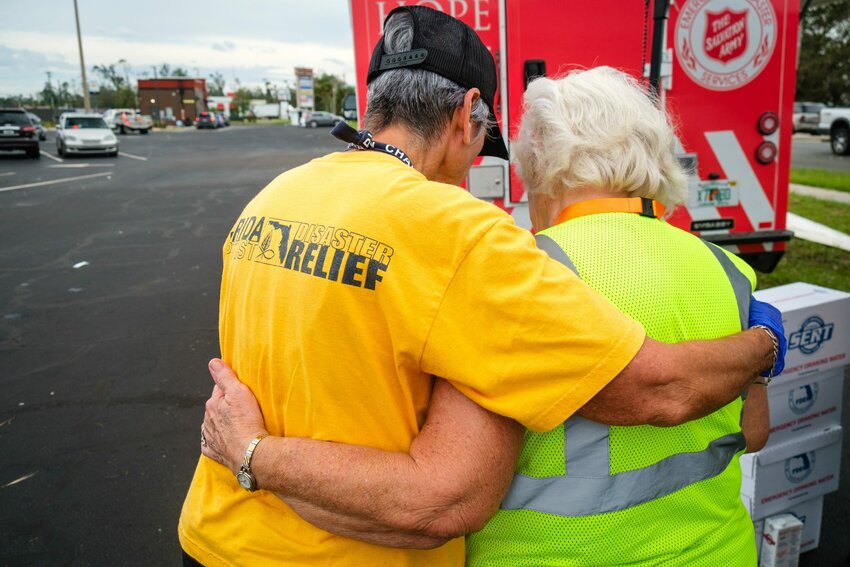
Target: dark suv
x=17, y=132
x=206, y=120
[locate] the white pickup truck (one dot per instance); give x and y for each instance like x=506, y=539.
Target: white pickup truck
x=123, y=120
x=836, y=123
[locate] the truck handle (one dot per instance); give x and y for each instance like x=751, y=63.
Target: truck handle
x=532, y=69
x=659, y=17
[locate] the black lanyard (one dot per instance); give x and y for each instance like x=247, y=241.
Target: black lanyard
x=362, y=140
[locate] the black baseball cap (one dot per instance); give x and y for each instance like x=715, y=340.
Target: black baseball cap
x=448, y=47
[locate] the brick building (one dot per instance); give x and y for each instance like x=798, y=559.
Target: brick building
x=173, y=98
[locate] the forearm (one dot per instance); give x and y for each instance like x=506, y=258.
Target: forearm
x=359, y=492
x=351, y=488
x=363, y=530
x=755, y=421
x=669, y=384
x=450, y=483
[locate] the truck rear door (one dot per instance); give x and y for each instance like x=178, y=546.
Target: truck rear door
x=728, y=79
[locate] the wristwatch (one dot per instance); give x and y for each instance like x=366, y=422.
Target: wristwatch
x=245, y=477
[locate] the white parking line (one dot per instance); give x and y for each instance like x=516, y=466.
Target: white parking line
x=54, y=181
x=60, y=160
x=80, y=165
x=4, y=174
x=132, y=156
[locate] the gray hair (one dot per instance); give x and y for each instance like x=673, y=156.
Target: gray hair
x=419, y=100
x=597, y=129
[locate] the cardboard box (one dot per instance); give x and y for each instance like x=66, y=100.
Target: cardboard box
x=817, y=326
x=777, y=478
x=781, y=541
x=804, y=404
x=810, y=513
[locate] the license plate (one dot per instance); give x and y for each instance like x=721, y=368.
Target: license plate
x=8, y=132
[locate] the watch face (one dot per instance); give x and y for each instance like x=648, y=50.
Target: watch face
x=246, y=481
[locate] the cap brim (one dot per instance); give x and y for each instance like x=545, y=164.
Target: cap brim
x=494, y=144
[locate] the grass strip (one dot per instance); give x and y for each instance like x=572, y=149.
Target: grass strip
x=838, y=180
x=810, y=262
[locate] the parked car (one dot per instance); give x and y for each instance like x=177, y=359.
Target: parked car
x=806, y=117
x=836, y=123
x=79, y=133
x=17, y=132
x=319, y=118
x=36, y=121
x=123, y=120
x=206, y=120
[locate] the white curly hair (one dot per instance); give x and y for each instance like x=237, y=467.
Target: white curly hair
x=598, y=129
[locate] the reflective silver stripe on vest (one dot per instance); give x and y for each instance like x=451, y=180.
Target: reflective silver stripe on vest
x=740, y=284
x=587, y=496
x=588, y=487
x=555, y=252
x=586, y=447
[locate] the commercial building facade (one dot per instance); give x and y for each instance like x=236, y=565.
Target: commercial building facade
x=169, y=99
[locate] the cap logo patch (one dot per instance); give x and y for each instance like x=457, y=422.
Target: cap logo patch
x=405, y=59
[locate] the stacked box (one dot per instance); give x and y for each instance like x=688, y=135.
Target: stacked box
x=777, y=478
x=800, y=462
x=817, y=326
x=804, y=404
x=781, y=545
x=810, y=513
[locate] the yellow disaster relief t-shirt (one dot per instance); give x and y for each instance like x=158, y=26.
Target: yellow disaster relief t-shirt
x=347, y=284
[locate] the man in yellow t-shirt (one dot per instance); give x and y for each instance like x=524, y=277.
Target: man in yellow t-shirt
x=352, y=281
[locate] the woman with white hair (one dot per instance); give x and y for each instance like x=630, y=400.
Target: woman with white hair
x=598, y=161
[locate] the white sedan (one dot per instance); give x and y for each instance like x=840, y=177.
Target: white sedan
x=78, y=133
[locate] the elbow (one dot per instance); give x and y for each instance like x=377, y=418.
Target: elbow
x=675, y=414
x=454, y=516
x=756, y=443
x=454, y=523
x=671, y=411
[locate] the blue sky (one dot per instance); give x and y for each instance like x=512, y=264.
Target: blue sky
x=251, y=40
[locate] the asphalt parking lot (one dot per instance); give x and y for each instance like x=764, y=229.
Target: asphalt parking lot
x=109, y=279
x=104, y=365
x=813, y=151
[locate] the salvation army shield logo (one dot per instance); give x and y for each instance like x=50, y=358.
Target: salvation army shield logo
x=725, y=35
x=725, y=44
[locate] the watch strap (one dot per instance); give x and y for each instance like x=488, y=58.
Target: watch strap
x=249, y=452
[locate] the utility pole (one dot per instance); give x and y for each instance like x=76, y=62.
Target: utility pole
x=156, y=90
x=52, y=92
x=86, y=103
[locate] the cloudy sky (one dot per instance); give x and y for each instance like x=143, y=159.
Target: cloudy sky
x=251, y=40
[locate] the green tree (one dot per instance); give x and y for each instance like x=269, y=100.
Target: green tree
x=242, y=98
x=116, y=91
x=110, y=75
x=48, y=96
x=329, y=92
x=215, y=86
x=823, y=74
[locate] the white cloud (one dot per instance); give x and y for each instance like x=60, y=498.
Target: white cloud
x=246, y=58
x=224, y=46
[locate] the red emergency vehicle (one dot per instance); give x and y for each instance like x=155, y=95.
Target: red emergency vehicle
x=725, y=69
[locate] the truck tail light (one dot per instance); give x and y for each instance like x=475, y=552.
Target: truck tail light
x=766, y=153
x=768, y=123
x=30, y=130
